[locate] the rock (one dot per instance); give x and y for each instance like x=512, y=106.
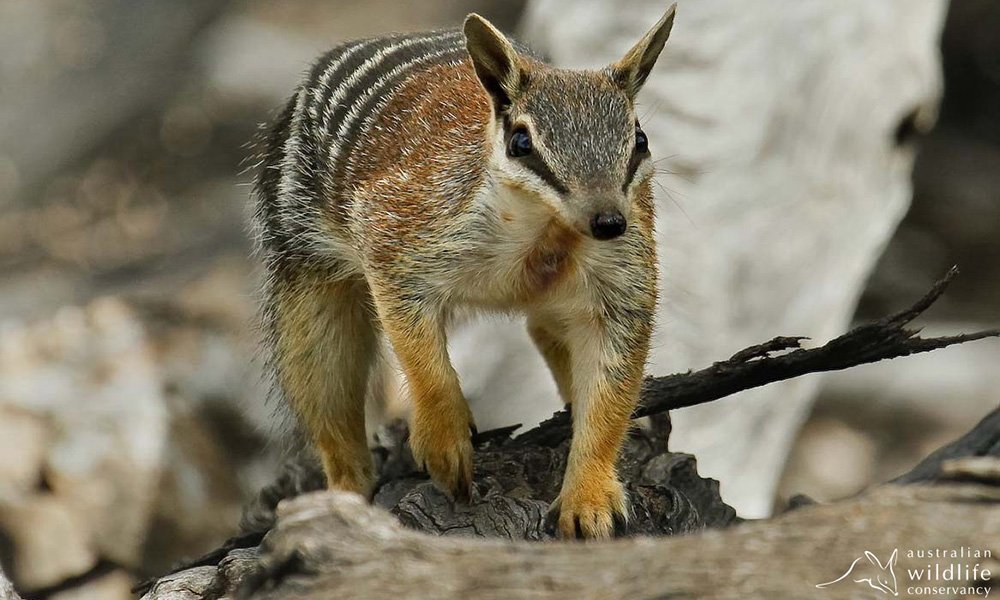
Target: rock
x=23, y=439
x=116, y=585
x=89, y=394
x=50, y=541
x=129, y=420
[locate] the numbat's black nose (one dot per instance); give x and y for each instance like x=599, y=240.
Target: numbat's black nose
x=607, y=225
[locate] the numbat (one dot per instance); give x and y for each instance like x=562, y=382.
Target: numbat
x=415, y=177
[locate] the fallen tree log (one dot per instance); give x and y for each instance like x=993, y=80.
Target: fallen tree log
x=334, y=545
x=329, y=543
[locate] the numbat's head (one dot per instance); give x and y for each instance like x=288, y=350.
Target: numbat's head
x=570, y=139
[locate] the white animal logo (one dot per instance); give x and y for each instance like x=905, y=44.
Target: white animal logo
x=880, y=576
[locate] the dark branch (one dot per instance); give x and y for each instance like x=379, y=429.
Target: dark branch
x=982, y=440
x=754, y=367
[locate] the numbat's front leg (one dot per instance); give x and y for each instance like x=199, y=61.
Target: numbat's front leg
x=608, y=354
x=441, y=424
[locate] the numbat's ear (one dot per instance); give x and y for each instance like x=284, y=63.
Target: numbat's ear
x=496, y=62
x=631, y=71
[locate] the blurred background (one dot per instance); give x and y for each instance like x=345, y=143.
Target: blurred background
x=132, y=421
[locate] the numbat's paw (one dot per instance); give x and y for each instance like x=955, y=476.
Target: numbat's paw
x=446, y=454
x=589, y=510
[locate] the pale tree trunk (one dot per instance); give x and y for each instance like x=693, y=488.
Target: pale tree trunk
x=782, y=180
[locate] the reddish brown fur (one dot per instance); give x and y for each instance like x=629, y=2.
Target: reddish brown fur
x=550, y=259
x=440, y=113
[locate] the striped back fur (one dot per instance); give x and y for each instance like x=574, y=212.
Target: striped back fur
x=307, y=157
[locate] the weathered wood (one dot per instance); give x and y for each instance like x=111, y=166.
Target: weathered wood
x=517, y=477
x=514, y=484
x=334, y=545
x=982, y=441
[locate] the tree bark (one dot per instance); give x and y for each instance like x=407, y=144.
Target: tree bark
x=335, y=545
x=301, y=543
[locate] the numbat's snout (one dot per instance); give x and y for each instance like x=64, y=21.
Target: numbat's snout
x=607, y=225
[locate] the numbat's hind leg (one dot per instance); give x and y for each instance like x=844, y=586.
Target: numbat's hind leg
x=326, y=350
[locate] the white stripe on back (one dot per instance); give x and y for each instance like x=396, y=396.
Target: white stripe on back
x=347, y=84
x=360, y=101
x=324, y=80
x=290, y=159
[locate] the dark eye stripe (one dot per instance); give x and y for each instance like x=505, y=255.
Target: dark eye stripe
x=535, y=163
x=538, y=166
x=633, y=166
x=638, y=154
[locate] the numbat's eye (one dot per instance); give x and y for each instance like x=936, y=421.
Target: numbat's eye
x=519, y=144
x=641, y=141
